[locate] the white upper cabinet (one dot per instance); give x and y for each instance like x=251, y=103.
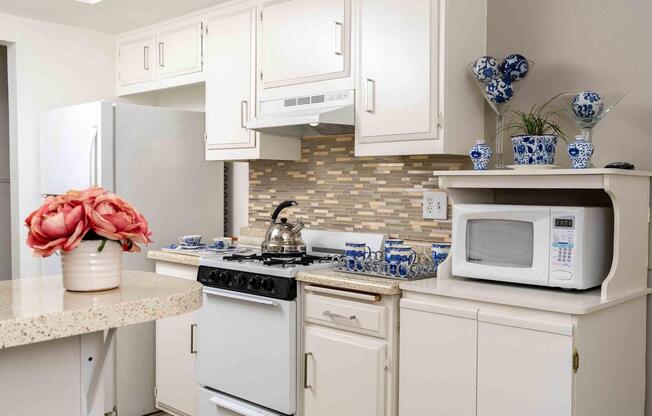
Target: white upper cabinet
x=304, y=41
x=165, y=56
x=414, y=94
x=230, y=80
x=398, y=86
x=137, y=59
x=180, y=49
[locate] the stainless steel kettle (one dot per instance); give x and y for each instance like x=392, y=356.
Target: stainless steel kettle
x=283, y=237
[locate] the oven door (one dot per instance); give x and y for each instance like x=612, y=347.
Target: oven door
x=501, y=242
x=247, y=348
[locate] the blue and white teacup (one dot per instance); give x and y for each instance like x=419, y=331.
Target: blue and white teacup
x=222, y=243
x=401, y=258
x=190, y=240
x=355, y=253
x=389, y=243
x=439, y=253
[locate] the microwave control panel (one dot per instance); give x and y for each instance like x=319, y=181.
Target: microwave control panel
x=563, y=244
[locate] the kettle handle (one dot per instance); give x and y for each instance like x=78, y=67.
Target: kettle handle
x=281, y=207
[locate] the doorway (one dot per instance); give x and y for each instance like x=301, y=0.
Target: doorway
x=5, y=180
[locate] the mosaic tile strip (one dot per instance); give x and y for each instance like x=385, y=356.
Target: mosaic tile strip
x=337, y=191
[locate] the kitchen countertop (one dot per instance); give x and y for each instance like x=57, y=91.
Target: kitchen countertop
x=532, y=297
x=40, y=309
x=370, y=284
x=160, y=255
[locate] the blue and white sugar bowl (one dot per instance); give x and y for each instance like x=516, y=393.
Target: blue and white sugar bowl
x=485, y=68
x=480, y=155
x=439, y=253
x=499, y=90
x=588, y=105
x=580, y=151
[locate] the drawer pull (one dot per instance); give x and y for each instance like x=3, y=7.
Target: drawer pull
x=337, y=315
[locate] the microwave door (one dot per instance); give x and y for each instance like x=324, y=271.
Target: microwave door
x=502, y=243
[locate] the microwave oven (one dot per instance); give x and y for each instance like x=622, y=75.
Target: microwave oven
x=556, y=246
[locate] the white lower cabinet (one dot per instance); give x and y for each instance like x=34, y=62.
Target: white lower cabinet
x=344, y=374
x=522, y=369
x=349, y=364
x=438, y=364
x=176, y=353
x=466, y=358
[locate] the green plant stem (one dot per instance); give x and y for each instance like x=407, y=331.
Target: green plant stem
x=102, y=244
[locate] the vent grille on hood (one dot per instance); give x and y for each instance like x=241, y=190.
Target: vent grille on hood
x=322, y=114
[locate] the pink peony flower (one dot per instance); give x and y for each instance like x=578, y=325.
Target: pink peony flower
x=116, y=219
x=63, y=221
x=59, y=224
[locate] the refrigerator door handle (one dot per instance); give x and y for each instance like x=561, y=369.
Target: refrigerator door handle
x=92, y=166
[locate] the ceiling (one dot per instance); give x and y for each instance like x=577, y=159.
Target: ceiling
x=113, y=16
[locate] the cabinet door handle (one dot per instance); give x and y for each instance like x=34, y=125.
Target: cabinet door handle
x=337, y=315
x=193, y=331
x=339, y=38
x=305, y=370
x=370, y=96
x=244, y=113
x=146, y=58
x=92, y=168
x=161, y=52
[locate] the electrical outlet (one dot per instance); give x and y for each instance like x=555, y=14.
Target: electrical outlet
x=435, y=205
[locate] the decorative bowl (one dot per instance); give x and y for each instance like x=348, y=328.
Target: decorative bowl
x=534, y=150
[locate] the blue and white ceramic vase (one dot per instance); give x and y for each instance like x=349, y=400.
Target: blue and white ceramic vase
x=480, y=155
x=580, y=151
x=534, y=150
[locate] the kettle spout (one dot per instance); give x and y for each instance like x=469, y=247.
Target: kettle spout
x=298, y=227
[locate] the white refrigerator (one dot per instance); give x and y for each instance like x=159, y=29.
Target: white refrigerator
x=155, y=159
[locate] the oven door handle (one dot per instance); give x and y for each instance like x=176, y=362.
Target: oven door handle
x=238, y=296
x=235, y=407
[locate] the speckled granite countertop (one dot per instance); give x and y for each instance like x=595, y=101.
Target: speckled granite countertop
x=186, y=259
x=361, y=283
x=40, y=309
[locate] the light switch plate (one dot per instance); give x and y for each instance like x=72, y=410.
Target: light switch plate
x=435, y=205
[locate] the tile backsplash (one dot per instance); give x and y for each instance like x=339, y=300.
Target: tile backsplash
x=337, y=191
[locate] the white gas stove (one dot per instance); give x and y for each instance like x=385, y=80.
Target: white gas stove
x=247, y=352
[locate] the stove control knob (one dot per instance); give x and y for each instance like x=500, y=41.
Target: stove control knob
x=254, y=282
x=239, y=280
x=223, y=278
x=212, y=277
x=267, y=284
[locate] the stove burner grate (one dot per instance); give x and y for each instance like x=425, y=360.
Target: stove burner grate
x=271, y=259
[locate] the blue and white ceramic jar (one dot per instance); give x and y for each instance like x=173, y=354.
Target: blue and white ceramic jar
x=580, y=151
x=480, y=155
x=389, y=243
x=401, y=258
x=355, y=254
x=534, y=150
x=439, y=253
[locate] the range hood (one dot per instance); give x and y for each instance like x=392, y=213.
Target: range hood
x=323, y=114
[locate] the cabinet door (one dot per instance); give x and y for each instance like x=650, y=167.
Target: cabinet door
x=136, y=60
x=304, y=41
x=179, y=49
x=176, y=379
x=345, y=374
x=398, y=76
x=230, y=80
x=523, y=371
x=437, y=372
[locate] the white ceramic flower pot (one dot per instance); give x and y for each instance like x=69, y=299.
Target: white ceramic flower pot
x=86, y=270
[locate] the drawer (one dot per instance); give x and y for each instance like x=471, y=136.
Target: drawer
x=345, y=314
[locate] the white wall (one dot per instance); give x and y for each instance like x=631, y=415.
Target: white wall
x=193, y=98
x=49, y=65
